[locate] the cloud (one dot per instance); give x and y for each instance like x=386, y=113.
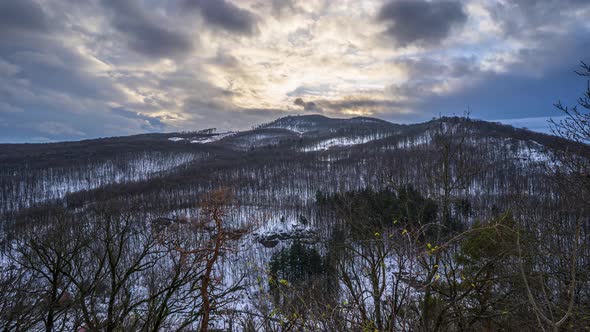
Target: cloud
x=7, y=68
x=225, y=15
x=309, y=90
x=207, y=113
x=7, y=108
x=421, y=22
x=21, y=15
x=144, y=34
x=434, y=76
x=147, y=65
x=309, y=106
x=282, y=7
x=57, y=128
x=51, y=86
x=365, y=105
x=530, y=17
x=150, y=123
x=353, y=105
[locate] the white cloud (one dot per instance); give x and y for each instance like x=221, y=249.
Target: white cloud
x=163, y=61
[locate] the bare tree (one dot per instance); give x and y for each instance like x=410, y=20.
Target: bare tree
x=216, y=235
x=44, y=253
x=557, y=276
x=17, y=306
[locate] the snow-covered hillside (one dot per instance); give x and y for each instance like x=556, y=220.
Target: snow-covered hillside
x=328, y=143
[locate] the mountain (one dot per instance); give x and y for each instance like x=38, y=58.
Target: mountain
x=320, y=124
x=300, y=214
x=34, y=173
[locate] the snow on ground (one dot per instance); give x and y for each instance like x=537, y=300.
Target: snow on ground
x=409, y=142
x=214, y=138
x=414, y=141
x=299, y=127
x=340, y=141
x=52, y=183
x=534, y=153
x=176, y=139
x=295, y=129
x=329, y=158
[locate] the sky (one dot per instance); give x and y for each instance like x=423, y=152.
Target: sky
x=73, y=69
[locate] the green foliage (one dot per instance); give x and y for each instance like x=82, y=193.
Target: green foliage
x=296, y=263
x=298, y=277
x=483, y=274
x=367, y=212
x=489, y=240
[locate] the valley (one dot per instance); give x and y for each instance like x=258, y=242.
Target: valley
x=307, y=201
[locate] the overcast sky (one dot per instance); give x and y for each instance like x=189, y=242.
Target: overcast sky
x=72, y=69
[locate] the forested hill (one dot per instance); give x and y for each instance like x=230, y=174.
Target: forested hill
x=305, y=223
x=287, y=132
x=35, y=173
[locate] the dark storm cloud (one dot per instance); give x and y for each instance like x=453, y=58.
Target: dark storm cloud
x=421, y=22
x=309, y=106
x=225, y=15
x=525, y=17
x=145, y=35
x=21, y=15
x=341, y=106
x=299, y=102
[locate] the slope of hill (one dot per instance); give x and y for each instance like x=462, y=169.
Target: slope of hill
x=34, y=173
x=305, y=187
x=308, y=124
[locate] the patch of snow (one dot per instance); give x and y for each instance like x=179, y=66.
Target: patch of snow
x=332, y=158
x=295, y=129
x=340, y=141
x=54, y=183
x=176, y=139
x=213, y=138
x=533, y=152
x=414, y=141
x=365, y=120
x=298, y=129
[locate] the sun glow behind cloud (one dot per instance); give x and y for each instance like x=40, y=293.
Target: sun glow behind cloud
x=144, y=65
